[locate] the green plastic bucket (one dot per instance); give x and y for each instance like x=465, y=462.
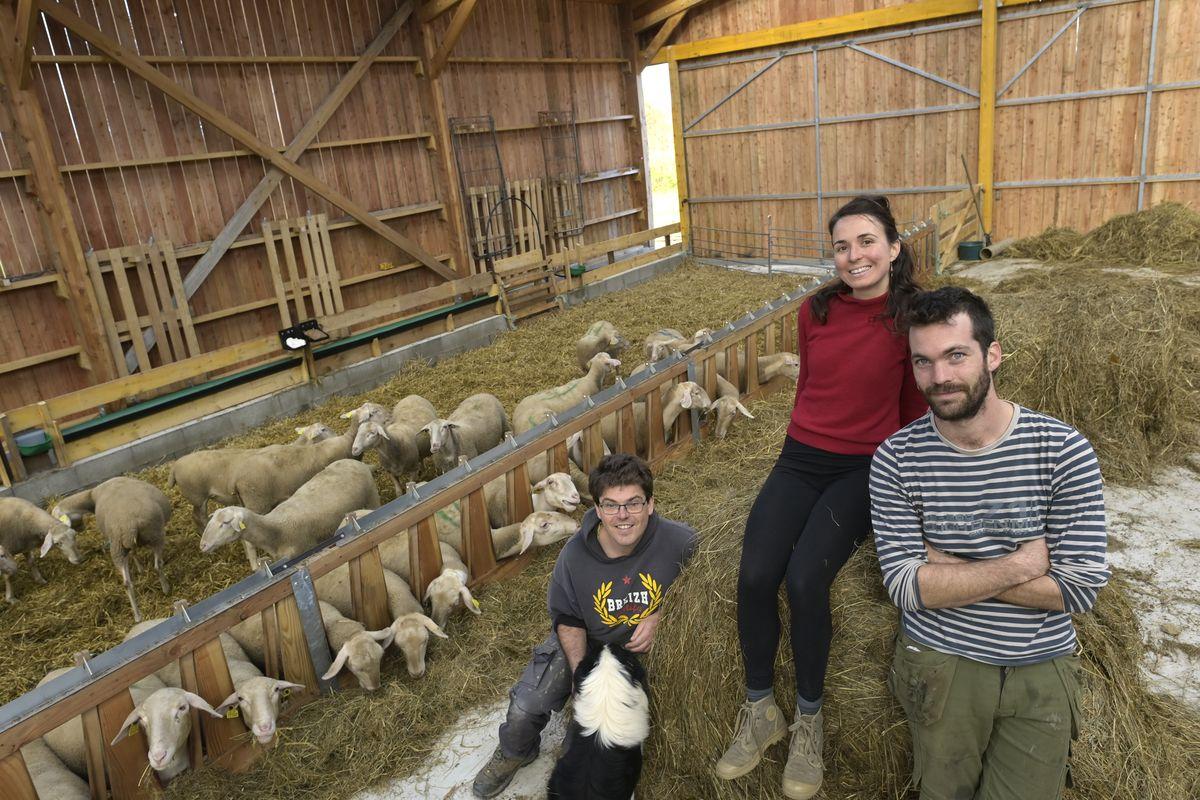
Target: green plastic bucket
x=970, y=251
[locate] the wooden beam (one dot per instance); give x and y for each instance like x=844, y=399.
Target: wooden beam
x=987, y=112
x=26, y=21
x=244, y=214
x=680, y=155
x=228, y=61
x=664, y=12
x=820, y=28
x=221, y=121
x=461, y=15
x=54, y=211
x=632, y=97
x=661, y=36
x=432, y=9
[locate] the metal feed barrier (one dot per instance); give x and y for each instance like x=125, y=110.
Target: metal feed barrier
x=283, y=598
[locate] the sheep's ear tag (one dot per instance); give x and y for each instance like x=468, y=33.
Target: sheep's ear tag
x=133, y=729
x=64, y=519
x=476, y=602
x=285, y=694
x=241, y=525
x=348, y=415
x=231, y=713
x=300, y=430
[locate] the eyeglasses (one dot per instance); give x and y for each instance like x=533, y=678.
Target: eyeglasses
x=609, y=508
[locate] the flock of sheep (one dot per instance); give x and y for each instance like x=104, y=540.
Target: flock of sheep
x=286, y=499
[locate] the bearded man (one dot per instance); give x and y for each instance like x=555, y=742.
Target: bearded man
x=989, y=524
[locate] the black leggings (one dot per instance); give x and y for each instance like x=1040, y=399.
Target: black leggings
x=810, y=515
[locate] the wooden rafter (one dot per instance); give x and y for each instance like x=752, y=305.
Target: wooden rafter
x=224, y=123
x=299, y=143
x=664, y=12
x=662, y=36
x=461, y=15
x=432, y=9
x=26, y=20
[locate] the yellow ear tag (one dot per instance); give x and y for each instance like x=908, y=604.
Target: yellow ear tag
x=231, y=713
x=133, y=729
x=241, y=526
x=476, y=602
x=299, y=430
x=285, y=694
x=63, y=518
x=348, y=415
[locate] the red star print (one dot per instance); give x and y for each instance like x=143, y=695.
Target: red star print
x=626, y=580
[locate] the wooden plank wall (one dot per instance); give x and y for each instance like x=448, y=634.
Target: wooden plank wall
x=1079, y=138
x=106, y=126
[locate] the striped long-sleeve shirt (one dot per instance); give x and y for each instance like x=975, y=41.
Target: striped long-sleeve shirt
x=1040, y=479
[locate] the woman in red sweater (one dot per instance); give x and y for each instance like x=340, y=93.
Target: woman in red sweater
x=855, y=389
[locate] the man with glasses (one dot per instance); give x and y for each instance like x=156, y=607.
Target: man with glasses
x=608, y=584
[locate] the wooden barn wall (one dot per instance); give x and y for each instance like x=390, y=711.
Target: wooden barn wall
x=1108, y=48
x=110, y=131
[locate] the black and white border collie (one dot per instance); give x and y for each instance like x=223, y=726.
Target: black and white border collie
x=602, y=759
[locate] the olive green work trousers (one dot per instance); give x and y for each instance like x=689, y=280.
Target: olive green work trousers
x=984, y=732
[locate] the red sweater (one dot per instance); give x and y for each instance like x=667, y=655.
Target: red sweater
x=856, y=384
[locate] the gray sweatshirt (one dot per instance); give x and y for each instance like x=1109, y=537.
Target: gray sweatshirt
x=610, y=596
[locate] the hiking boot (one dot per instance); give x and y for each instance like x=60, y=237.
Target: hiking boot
x=759, y=725
x=803, y=772
x=498, y=772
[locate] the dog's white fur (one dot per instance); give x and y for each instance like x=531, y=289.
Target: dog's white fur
x=611, y=706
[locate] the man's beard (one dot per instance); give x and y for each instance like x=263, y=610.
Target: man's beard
x=966, y=408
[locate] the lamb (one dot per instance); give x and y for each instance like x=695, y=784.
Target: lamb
x=368, y=412
x=410, y=627
x=23, y=527
x=302, y=521
x=130, y=513
x=478, y=424
x=555, y=492
x=355, y=647
x=316, y=432
x=52, y=780
x=769, y=367
x=539, y=529
x=444, y=591
x=665, y=341
x=400, y=449
x=563, y=495
x=726, y=407
x=676, y=399
x=67, y=743
x=602, y=337
x=534, y=409
x=602, y=755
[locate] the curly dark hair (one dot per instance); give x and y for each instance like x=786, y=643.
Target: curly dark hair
x=902, y=284
x=942, y=305
x=620, y=469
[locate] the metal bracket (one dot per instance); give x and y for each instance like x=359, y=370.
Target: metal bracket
x=314, y=628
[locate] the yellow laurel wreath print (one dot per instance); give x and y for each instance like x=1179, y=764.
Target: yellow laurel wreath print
x=600, y=604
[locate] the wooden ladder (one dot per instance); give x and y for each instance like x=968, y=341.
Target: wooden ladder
x=527, y=284
x=319, y=280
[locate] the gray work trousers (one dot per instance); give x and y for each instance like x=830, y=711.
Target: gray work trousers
x=544, y=686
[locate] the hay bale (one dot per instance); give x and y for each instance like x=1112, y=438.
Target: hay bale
x=1166, y=238
x=1134, y=744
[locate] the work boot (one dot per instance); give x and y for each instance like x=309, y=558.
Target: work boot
x=803, y=772
x=498, y=772
x=759, y=725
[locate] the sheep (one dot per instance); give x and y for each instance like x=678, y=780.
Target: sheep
x=315, y=432
x=676, y=399
x=367, y=412
x=726, y=407
x=52, y=779
x=769, y=367
x=444, y=591
x=355, y=646
x=478, y=424
x=410, y=627
x=601, y=337
x=130, y=513
x=539, y=529
x=534, y=409
x=256, y=697
x=555, y=492
x=602, y=754
x=400, y=448
x=306, y=518
x=67, y=742
x=169, y=672
x=23, y=527
x=165, y=718
x=665, y=341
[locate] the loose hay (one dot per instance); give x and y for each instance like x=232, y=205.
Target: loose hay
x=1166, y=238
x=1133, y=744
